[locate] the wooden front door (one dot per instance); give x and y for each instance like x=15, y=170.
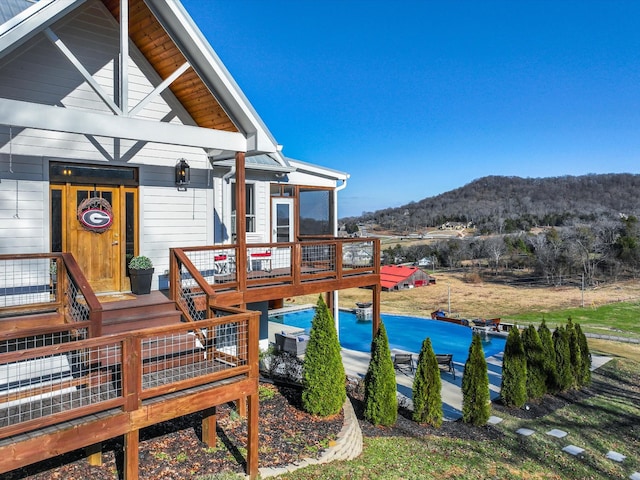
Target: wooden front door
x=99, y=254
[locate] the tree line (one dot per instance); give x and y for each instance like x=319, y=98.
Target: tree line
x=608, y=250
x=500, y=205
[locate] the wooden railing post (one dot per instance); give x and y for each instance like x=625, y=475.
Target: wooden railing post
x=174, y=275
x=131, y=372
x=296, y=262
x=338, y=260
x=131, y=388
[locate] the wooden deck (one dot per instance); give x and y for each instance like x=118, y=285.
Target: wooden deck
x=75, y=371
x=63, y=388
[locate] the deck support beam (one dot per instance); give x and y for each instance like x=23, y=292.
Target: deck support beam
x=209, y=418
x=94, y=454
x=131, y=455
x=252, y=437
x=377, y=293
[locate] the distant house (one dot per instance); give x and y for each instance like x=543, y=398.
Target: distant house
x=397, y=277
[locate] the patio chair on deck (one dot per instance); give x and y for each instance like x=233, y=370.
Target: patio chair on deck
x=446, y=360
x=402, y=361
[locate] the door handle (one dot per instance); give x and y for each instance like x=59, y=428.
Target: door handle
x=114, y=243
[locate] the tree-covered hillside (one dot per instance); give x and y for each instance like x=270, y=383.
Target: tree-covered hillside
x=498, y=204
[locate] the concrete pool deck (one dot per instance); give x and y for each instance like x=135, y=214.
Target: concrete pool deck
x=356, y=365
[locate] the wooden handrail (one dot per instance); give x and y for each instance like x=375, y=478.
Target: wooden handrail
x=174, y=275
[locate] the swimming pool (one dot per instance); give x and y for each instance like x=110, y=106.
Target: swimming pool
x=404, y=332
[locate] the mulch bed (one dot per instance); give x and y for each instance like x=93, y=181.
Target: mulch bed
x=173, y=450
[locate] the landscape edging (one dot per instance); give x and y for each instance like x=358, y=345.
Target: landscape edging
x=347, y=446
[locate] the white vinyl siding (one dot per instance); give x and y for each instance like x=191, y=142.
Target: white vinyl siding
x=24, y=216
x=170, y=218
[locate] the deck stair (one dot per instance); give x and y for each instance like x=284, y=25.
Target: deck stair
x=27, y=321
x=143, y=311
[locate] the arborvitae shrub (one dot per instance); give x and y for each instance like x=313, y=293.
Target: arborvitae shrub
x=549, y=358
x=536, y=377
x=585, y=371
x=380, y=399
x=476, y=406
x=323, y=377
x=514, y=371
x=427, y=398
x=574, y=353
x=563, y=359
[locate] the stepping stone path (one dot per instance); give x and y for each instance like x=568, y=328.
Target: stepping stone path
x=615, y=456
x=493, y=420
x=557, y=433
x=573, y=450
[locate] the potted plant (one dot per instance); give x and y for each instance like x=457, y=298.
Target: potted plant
x=140, y=273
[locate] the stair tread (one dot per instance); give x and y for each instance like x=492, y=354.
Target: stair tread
x=139, y=324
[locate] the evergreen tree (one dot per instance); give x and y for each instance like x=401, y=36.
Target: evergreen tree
x=534, y=353
x=549, y=358
x=380, y=399
x=574, y=354
x=563, y=358
x=427, y=398
x=323, y=377
x=476, y=406
x=514, y=371
x=585, y=371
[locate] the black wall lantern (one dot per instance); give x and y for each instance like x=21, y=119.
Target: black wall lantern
x=183, y=174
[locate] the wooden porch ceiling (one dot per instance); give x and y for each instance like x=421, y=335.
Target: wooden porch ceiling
x=146, y=32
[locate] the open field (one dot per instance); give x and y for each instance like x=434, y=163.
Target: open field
x=481, y=299
x=609, y=309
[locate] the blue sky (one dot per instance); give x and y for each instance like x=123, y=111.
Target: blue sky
x=415, y=98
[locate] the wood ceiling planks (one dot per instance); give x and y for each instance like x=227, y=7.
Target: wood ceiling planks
x=162, y=53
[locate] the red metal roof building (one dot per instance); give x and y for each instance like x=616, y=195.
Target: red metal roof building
x=398, y=277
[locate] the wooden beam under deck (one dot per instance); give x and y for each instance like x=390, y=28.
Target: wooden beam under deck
x=266, y=293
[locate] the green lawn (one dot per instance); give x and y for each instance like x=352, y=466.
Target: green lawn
x=607, y=421
x=619, y=319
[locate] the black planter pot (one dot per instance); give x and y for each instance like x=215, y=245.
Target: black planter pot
x=141, y=281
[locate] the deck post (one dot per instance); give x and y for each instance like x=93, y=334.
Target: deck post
x=241, y=223
x=252, y=437
x=209, y=417
x=94, y=454
x=131, y=461
x=377, y=289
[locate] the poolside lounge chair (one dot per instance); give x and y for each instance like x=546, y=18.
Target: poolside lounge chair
x=402, y=361
x=294, y=344
x=446, y=360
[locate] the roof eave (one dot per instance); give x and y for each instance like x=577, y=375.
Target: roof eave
x=31, y=21
x=318, y=170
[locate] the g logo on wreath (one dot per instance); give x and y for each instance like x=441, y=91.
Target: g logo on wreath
x=95, y=214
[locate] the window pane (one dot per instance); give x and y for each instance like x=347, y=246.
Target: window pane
x=56, y=220
x=250, y=222
x=130, y=226
x=315, y=212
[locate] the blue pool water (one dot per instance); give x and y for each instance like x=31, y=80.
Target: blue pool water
x=405, y=333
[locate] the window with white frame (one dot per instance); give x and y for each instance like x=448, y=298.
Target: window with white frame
x=250, y=201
